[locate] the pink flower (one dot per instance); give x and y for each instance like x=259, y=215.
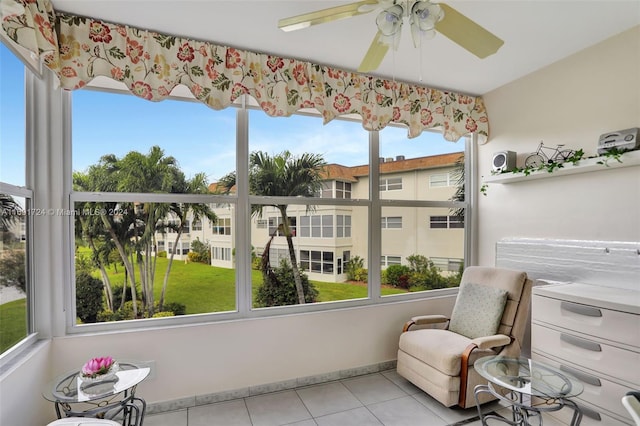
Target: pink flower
x=97, y=366
x=142, y=89
x=341, y=103
x=274, y=63
x=99, y=32
x=299, y=74
x=134, y=51
x=185, y=53
x=471, y=125
x=233, y=59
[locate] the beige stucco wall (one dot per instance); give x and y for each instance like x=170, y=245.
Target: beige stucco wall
x=573, y=102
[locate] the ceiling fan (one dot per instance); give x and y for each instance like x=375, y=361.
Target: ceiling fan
x=424, y=17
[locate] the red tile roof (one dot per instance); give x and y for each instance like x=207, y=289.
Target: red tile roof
x=352, y=173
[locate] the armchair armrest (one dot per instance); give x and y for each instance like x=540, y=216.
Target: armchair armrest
x=488, y=342
x=484, y=342
x=425, y=320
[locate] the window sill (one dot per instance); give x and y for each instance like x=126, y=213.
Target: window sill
x=628, y=159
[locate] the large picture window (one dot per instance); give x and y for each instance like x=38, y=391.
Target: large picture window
x=164, y=210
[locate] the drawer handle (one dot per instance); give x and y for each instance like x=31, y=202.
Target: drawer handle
x=590, y=412
x=576, y=308
x=584, y=377
x=582, y=343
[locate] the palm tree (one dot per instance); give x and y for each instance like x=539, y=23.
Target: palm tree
x=9, y=211
x=90, y=228
x=282, y=175
x=134, y=231
x=197, y=185
x=458, y=175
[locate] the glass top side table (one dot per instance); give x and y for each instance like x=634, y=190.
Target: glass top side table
x=517, y=380
x=106, y=399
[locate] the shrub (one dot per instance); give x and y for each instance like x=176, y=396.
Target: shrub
x=426, y=281
x=200, y=252
x=162, y=253
x=419, y=263
x=12, y=268
x=175, y=308
x=256, y=263
x=116, y=289
x=361, y=274
x=107, y=315
x=88, y=297
x=397, y=276
x=83, y=264
x=162, y=314
x=352, y=266
x=127, y=310
x=279, y=288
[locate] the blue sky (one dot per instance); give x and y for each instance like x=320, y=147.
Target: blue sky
x=12, y=124
x=200, y=138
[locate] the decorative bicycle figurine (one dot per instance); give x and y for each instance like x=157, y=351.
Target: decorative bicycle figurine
x=540, y=157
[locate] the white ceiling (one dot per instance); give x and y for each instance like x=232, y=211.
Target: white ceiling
x=536, y=33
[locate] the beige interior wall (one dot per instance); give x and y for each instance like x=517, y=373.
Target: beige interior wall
x=571, y=102
x=229, y=355
x=21, y=387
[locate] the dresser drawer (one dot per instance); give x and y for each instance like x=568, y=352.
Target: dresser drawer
x=598, y=391
x=603, y=323
x=592, y=355
x=590, y=417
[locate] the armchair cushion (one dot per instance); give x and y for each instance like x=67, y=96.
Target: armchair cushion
x=441, y=349
x=478, y=310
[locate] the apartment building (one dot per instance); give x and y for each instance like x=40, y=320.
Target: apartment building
x=328, y=236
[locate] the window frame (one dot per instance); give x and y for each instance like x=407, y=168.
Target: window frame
x=391, y=184
x=449, y=181
x=242, y=200
x=32, y=73
x=448, y=222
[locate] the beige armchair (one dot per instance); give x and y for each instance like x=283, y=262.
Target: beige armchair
x=489, y=317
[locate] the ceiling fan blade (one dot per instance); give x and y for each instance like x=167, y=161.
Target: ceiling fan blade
x=325, y=15
x=375, y=54
x=463, y=31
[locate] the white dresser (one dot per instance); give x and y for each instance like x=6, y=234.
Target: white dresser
x=592, y=332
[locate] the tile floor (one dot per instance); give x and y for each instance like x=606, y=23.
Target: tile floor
x=382, y=398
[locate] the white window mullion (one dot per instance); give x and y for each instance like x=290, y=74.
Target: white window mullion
x=375, y=212
x=243, y=214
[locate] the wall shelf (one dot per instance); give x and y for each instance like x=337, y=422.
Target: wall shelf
x=628, y=159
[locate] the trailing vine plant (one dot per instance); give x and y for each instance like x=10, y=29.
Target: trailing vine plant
x=613, y=153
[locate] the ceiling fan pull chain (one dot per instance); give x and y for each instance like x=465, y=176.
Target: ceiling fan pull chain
x=394, y=66
x=421, y=49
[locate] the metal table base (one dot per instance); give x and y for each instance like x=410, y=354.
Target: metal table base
x=522, y=412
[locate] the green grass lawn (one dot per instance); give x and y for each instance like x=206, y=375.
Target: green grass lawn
x=13, y=323
x=203, y=288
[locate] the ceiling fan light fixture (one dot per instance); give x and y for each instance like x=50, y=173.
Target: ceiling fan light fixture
x=389, y=21
x=425, y=14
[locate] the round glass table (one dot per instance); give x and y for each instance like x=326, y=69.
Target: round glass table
x=518, y=381
x=107, y=399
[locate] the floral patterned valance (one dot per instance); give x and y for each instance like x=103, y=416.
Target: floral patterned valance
x=151, y=64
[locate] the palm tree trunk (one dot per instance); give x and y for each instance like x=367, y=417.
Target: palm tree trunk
x=150, y=279
x=127, y=264
x=107, y=287
x=166, y=274
x=103, y=273
x=292, y=254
